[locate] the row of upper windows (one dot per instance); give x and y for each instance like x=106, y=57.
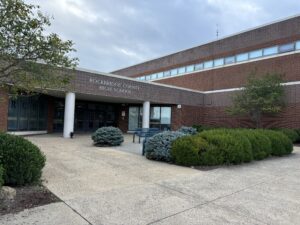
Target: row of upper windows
x=274, y=50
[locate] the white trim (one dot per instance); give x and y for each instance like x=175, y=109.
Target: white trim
x=241, y=88
x=215, y=40
x=233, y=64
x=25, y=133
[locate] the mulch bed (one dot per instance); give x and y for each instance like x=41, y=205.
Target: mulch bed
x=28, y=197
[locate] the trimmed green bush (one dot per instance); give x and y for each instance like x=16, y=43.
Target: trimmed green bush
x=187, y=130
x=22, y=161
x=108, y=136
x=201, y=128
x=260, y=144
x=226, y=146
x=1, y=176
x=158, y=147
x=281, y=144
x=290, y=133
x=187, y=150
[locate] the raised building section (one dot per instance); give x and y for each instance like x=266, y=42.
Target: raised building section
x=274, y=34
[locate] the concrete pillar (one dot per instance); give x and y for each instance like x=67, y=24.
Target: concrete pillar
x=146, y=114
x=69, y=114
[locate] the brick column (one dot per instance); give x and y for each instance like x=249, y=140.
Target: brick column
x=3, y=110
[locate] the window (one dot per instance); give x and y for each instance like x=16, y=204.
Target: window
x=155, y=113
x=255, y=54
x=181, y=70
x=298, y=45
x=153, y=76
x=148, y=77
x=286, y=48
x=27, y=113
x=143, y=78
x=190, y=68
x=219, y=62
x=229, y=60
x=271, y=51
x=160, y=75
x=199, y=66
x=167, y=73
x=242, y=57
x=174, y=72
x=208, y=64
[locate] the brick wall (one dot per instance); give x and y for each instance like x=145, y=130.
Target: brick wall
x=236, y=76
x=3, y=110
x=186, y=116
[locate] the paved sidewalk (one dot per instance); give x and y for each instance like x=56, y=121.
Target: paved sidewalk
x=108, y=186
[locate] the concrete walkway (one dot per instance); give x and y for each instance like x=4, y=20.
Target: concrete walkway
x=108, y=186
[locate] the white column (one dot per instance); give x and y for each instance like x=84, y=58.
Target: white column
x=69, y=114
x=146, y=114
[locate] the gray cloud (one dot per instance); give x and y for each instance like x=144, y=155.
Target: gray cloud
x=111, y=34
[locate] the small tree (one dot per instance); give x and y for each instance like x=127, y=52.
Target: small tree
x=30, y=58
x=264, y=95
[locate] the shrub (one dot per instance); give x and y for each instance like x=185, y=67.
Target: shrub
x=187, y=150
x=1, y=176
x=201, y=128
x=280, y=143
x=22, y=161
x=260, y=143
x=158, y=147
x=108, y=136
x=187, y=130
x=291, y=134
x=226, y=146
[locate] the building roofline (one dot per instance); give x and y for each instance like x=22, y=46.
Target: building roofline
x=214, y=40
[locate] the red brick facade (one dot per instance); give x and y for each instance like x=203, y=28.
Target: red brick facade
x=3, y=110
x=236, y=75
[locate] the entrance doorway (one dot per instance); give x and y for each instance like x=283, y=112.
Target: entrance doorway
x=89, y=116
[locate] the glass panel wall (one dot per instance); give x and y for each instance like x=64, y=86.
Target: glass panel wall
x=27, y=113
x=160, y=117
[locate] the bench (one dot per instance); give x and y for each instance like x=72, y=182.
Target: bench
x=144, y=133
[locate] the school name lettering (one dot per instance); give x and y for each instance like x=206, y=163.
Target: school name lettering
x=119, y=87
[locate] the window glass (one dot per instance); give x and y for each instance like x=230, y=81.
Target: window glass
x=255, y=54
x=148, y=77
x=143, y=78
x=298, y=45
x=153, y=76
x=160, y=75
x=167, y=73
x=165, y=115
x=271, y=51
x=219, y=62
x=174, y=72
x=133, y=118
x=190, y=68
x=181, y=70
x=287, y=47
x=242, y=57
x=208, y=64
x=199, y=66
x=229, y=60
x=155, y=113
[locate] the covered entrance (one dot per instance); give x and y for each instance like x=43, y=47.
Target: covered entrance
x=89, y=116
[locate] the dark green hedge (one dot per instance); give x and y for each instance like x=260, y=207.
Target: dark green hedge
x=108, y=136
x=280, y=143
x=290, y=133
x=22, y=161
x=233, y=147
x=229, y=146
x=187, y=150
x=260, y=144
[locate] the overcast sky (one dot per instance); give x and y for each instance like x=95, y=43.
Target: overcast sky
x=112, y=34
